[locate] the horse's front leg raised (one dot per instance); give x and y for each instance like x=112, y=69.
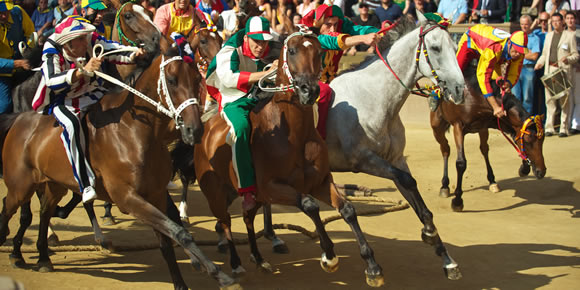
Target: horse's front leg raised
x=461, y=165
x=484, y=148
x=372, y=163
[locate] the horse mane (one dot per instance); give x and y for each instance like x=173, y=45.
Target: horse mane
x=405, y=26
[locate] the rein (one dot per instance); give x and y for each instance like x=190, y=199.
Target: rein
x=122, y=35
x=436, y=89
x=272, y=75
x=162, y=88
x=534, y=119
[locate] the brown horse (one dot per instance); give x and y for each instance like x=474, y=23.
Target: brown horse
x=127, y=140
x=290, y=159
x=476, y=116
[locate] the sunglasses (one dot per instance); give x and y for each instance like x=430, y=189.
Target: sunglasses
x=363, y=6
x=543, y=20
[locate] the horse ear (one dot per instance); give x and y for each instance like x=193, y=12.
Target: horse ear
x=421, y=18
x=114, y=3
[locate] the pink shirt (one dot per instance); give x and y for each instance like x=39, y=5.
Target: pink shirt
x=163, y=16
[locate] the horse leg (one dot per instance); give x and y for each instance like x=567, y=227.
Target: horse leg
x=173, y=215
x=183, y=204
x=278, y=245
x=354, y=190
x=168, y=253
x=64, y=212
x=372, y=163
x=99, y=237
x=52, y=194
x=152, y=216
x=222, y=241
x=256, y=257
x=460, y=165
x=235, y=262
x=439, y=129
x=16, y=259
x=108, y=218
x=484, y=148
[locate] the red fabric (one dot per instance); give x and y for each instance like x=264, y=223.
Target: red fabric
x=249, y=189
x=313, y=15
x=323, y=105
x=465, y=55
x=243, y=84
x=216, y=95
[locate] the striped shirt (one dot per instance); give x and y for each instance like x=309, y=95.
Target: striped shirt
x=56, y=86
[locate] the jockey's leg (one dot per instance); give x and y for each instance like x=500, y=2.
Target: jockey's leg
x=237, y=115
x=73, y=139
x=323, y=104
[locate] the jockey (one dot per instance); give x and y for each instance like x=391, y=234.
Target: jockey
x=175, y=17
x=337, y=33
x=493, y=48
x=15, y=26
x=212, y=7
x=93, y=11
x=230, y=78
x=66, y=89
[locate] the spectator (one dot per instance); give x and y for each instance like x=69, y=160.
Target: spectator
x=559, y=52
x=64, y=9
x=364, y=19
x=388, y=11
x=149, y=5
x=575, y=123
x=176, y=16
x=212, y=7
x=490, y=11
x=305, y=7
x=554, y=6
x=524, y=88
x=15, y=26
x=540, y=103
x=424, y=6
x=454, y=10
x=42, y=17
x=296, y=18
x=227, y=22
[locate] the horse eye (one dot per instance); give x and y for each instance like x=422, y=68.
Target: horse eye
x=436, y=48
x=292, y=51
x=203, y=41
x=128, y=16
x=172, y=81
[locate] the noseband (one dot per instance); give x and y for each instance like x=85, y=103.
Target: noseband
x=532, y=120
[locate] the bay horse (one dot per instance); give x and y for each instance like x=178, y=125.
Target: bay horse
x=476, y=116
x=127, y=139
x=290, y=159
x=365, y=132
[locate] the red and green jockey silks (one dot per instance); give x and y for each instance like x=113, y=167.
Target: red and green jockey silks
x=334, y=43
x=491, y=46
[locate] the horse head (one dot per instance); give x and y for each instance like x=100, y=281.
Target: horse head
x=178, y=82
x=203, y=37
x=438, y=61
x=133, y=26
x=247, y=9
x=300, y=64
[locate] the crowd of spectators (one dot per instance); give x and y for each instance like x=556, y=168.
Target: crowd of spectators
x=534, y=16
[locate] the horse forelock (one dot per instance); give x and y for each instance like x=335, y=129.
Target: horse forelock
x=141, y=11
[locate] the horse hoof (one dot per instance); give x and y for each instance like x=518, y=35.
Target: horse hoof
x=109, y=221
x=429, y=238
x=234, y=286
x=45, y=267
x=375, y=280
x=17, y=262
x=444, y=192
x=107, y=245
x=329, y=266
x=494, y=188
x=457, y=206
x=53, y=240
x=452, y=273
x=266, y=267
x=279, y=246
x=222, y=248
x=238, y=272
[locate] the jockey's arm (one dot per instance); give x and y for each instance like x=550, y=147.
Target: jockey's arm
x=256, y=76
x=368, y=39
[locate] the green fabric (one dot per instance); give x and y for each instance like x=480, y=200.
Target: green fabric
x=238, y=116
x=328, y=42
x=235, y=62
x=350, y=28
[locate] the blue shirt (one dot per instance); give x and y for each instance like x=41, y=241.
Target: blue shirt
x=392, y=13
x=39, y=18
x=533, y=46
x=541, y=35
x=451, y=9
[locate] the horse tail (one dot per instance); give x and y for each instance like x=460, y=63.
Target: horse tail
x=182, y=159
x=6, y=122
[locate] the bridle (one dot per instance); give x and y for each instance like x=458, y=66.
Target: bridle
x=285, y=67
x=120, y=32
x=162, y=89
x=437, y=88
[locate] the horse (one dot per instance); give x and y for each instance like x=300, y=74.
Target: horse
x=290, y=159
x=476, y=116
x=134, y=131
x=365, y=132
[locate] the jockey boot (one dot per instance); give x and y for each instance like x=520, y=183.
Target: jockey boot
x=249, y=201
x=433, y=103
x=89, y=194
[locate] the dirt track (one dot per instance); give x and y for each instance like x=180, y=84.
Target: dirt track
x=525, y=237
